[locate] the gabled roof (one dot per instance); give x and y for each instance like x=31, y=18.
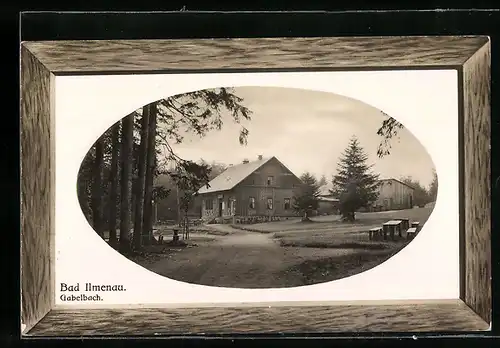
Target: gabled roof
x=325, y=190
x=396, y=180
x=233, y=175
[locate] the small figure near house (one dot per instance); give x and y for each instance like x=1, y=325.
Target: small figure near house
x=175, y=237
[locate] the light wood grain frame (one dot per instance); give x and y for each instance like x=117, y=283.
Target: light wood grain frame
x=41, y=61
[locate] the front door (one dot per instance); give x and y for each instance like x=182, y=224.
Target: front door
x=221, y=206
x=232, y=206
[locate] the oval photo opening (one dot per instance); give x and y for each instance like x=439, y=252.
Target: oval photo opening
x=257, y=187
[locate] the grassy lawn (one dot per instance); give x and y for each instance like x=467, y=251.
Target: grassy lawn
x=327, y=232
x=339, y=244
x=339, y=237
x=333, y=221
x=364, y=221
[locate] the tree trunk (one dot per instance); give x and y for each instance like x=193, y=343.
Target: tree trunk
x=84, y=188
x=147, y=226
x=186, y=224
x=97, y=187
x=348, y=216
x=133, y=200
x=179, y=221
x=125, y=181
x=113, y=194
x=139, y=197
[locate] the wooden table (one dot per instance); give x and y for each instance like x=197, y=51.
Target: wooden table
x=391, y=226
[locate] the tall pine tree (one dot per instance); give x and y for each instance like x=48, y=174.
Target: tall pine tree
x=355, y=184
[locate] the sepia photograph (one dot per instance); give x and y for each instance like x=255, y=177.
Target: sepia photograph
x=257, y=187
x=241, y=185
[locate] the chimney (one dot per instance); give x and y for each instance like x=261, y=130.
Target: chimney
x=260, y=157
x=245, y=161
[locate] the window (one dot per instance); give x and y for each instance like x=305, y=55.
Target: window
x=287, y=203
x=251, y=203
x=270, y=180
x=209, y=204
x=270, y=204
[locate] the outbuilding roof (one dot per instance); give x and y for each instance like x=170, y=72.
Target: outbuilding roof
x=396, y=180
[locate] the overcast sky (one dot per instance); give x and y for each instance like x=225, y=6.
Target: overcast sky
x=308, y=131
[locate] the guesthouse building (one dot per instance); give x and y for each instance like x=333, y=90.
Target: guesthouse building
x=263, y=188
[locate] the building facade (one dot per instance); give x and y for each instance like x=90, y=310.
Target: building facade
x=261, y=188
x=394, y=195
x=327, y=203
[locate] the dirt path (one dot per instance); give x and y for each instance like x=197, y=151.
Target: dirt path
x=239, y=259
x=248, y=240
x=228, y=263
x=231, y=257
x=241, y=238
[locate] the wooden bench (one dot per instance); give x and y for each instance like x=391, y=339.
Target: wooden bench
x=374, y=232
x=411, y=233
x=405, y=224
x=391, y=226
x=415, y=224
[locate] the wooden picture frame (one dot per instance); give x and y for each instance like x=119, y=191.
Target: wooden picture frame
x=42, y=61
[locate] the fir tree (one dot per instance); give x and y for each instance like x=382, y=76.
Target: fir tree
x=307, y=198
x=355, y=184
